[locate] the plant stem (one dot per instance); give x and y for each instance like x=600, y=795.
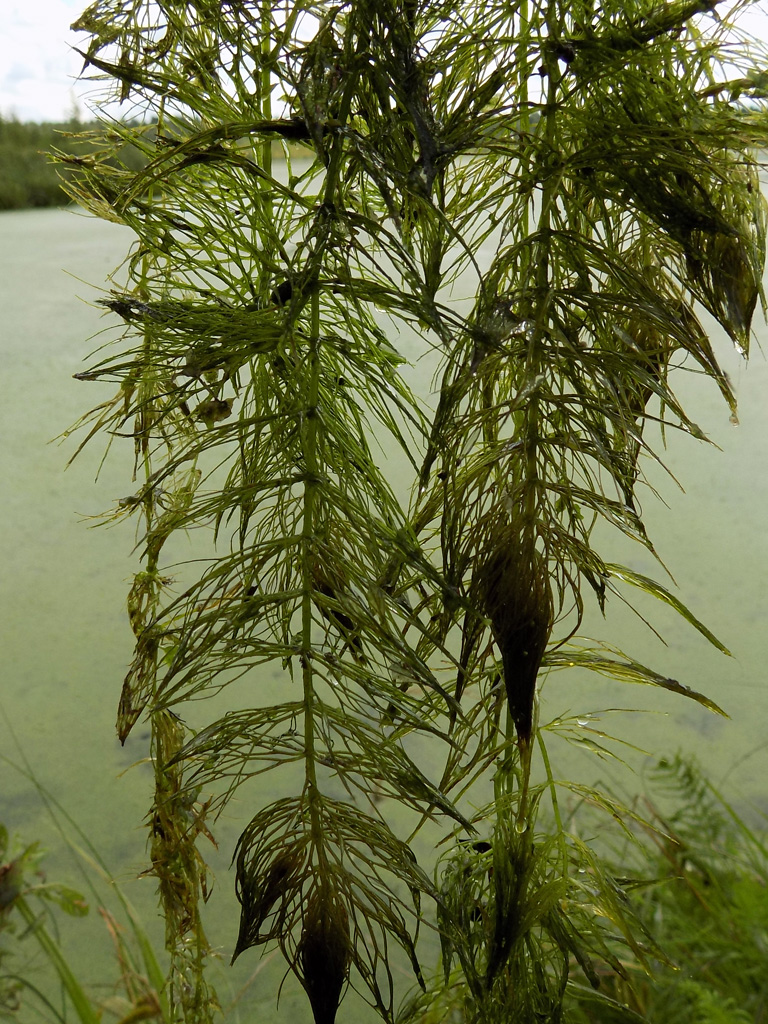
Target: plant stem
x=308, y=548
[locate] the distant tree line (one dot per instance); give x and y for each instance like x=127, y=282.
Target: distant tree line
x=28, y=176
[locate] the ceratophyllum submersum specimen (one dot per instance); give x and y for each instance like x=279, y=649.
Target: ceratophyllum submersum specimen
x=538, y=201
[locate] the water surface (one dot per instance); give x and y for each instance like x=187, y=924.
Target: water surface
x=66, y=642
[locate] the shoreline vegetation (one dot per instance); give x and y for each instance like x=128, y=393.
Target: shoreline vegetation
x=28, y=176
x=32, y=173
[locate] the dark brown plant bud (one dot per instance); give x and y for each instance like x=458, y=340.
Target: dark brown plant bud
x=513, y=587
x=282, y=294
x=259, y=891
x=213, y=410
x=329, y=584
x=324, y=953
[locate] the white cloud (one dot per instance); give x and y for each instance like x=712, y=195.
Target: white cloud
x=35, y=48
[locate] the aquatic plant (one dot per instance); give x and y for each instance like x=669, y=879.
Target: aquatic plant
x=541, y=199
x=696, y=874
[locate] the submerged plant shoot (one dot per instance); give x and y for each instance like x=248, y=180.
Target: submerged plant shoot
x=547, y=202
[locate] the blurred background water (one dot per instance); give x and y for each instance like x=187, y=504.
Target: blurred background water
x=66, y=641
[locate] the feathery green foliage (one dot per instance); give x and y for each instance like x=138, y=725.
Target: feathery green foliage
x=542, y=197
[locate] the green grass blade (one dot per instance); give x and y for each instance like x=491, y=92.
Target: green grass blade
x=80, y=1001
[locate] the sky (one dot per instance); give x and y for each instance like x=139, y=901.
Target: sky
x=38, y=67
x=37, y=64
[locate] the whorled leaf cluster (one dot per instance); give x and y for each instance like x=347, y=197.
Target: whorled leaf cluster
x=541, y=198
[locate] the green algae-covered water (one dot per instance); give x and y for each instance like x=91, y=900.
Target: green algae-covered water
x=66, y=642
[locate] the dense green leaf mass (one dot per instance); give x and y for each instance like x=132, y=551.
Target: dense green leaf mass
x=541, y=197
